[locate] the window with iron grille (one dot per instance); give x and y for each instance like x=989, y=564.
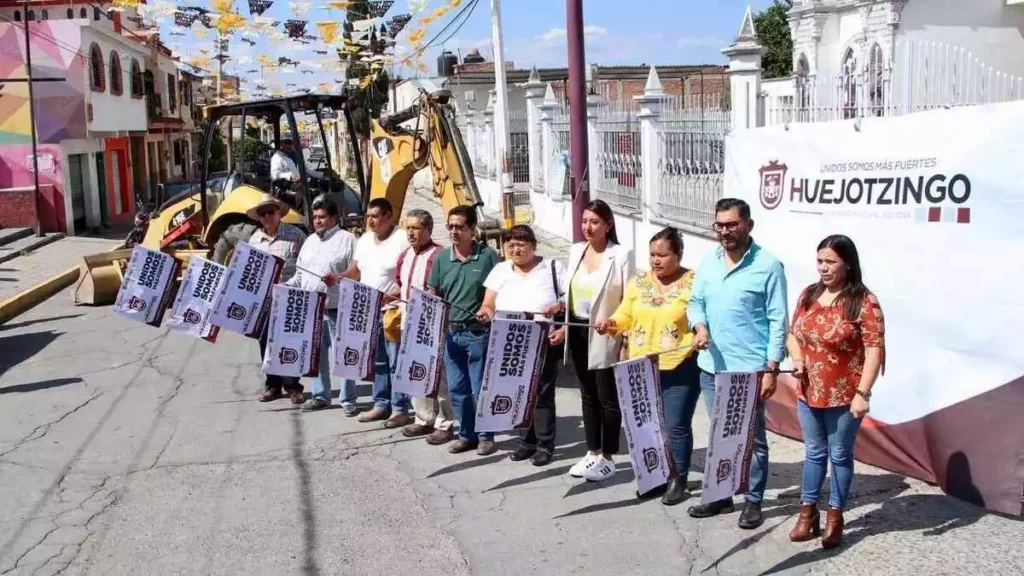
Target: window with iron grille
x=136, y=80
x=116, y=75
x=97, y=71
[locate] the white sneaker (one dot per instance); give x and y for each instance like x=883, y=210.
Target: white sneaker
x=580, y=468
x=601, y=470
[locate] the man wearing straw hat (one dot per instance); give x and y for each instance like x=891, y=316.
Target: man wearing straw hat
x=282, y=240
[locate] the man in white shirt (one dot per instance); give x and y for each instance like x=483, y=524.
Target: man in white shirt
x=376, y=265
x=282, y=166
x=326, y=255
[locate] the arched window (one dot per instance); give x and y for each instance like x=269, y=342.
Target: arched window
x=96, y=13
x=136, y=85
x=116, y=76
x=803, y=89
x=30, y=15
x=71, y=13
x=848, y=85
x=877, y=83
x=46, y=14
x=97, y=78
x=17, y=15
x=82, y=13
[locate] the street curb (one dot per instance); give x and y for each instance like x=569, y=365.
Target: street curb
x=32, y=247
x=31, y=297
x=7, y=239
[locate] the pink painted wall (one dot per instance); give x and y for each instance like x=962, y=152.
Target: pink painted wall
x=16, y=172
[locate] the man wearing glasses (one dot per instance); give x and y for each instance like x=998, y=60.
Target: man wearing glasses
x=458, y=277
x=738, y=313
x=283, y=240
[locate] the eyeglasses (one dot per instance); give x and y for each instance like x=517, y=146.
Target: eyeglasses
x=723, y=226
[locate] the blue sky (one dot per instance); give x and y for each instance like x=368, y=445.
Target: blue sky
x=619, y=32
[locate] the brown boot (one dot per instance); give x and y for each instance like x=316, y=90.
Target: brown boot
x=833, y=528
x=808, y=525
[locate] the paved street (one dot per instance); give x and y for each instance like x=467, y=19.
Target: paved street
x=126, y=449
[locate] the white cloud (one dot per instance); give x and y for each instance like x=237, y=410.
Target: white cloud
x=594, y=30
x=553, y=34
x=701, y=42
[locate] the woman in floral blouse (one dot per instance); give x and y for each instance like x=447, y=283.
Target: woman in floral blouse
x=837, y=342
x=653, y=314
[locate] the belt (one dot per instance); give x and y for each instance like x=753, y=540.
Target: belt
x=466, y=327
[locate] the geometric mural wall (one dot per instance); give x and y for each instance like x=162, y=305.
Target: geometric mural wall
x=60, y=106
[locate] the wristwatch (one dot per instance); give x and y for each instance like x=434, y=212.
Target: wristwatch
x=863, y=394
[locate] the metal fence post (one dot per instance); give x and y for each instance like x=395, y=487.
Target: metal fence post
x=595, y=104
x=534, y=95
x=547, y=139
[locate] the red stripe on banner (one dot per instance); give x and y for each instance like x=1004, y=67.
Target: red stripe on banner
x=934, y=214
x=963, y=215
x=538, y=369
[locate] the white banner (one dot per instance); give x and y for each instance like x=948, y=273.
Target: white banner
x=643, y=420
x=515, y=359
x=244, y=301
x=418, y=369
x=727, y=463
x=355, y=341
x=197, y=298
x=147, y=285
x=293, y=338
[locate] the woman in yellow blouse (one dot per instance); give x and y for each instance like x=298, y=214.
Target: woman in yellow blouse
x=653, y=315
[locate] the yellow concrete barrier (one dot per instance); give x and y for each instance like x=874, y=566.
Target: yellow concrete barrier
x=31, y=297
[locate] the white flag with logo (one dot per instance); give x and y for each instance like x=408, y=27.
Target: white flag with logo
x=197, y=297
x=727, y=464
x=515, y=358
x=418, y=370
x=146, y=289
x=293, y=338
x=244, y=301
x=643, y=420
x=358, y=333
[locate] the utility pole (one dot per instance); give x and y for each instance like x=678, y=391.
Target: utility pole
x=579, y=151
x=32, y=121
x=501, y=133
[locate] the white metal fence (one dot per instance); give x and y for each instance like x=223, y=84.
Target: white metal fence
x=692, y=164
x=519, y=154
x=559, y=146
x=619, y=171
x=920, y=76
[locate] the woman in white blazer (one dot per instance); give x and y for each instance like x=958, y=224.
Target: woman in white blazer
x=598, y=271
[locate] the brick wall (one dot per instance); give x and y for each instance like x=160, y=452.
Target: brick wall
x=17, y=209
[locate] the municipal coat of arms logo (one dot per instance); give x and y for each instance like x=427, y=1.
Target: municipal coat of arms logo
x=773, y=177
x=136, y=303
x=501, y=404
x=417, y=371
x=351, y=356
x=724, y=470
x=289, y=355
x=651, y=459
x=236, y=312
x=192, y=317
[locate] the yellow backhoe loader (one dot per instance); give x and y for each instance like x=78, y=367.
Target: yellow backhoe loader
x=209, y=218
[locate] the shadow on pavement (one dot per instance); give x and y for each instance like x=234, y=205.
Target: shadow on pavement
x=20, y=347
x=42, y=385
x=36, y=321
x=469, y=464
x=309, y=565
x=605, y=506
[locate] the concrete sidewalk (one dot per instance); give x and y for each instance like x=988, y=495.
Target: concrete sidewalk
x=34, y=267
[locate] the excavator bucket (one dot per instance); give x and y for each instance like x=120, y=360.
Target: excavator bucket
x=99, y=277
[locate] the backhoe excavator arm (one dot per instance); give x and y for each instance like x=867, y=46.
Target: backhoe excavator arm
x=398, y=153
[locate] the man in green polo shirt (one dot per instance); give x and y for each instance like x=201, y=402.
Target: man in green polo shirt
x=458, y=276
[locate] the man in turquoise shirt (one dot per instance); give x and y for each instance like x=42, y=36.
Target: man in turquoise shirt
x=738, y=314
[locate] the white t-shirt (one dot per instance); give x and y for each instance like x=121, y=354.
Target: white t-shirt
x=378, y=262
x=532, y=292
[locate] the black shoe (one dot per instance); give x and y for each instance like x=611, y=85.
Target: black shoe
x=522, y=453
x=675, y=493
x=751, y=517
x=542, y=458
x=710, y=509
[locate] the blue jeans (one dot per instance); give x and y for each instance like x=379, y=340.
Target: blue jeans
x=322, y=385
x=680, y=389
x=759, y=464
x=383, y=366
x=464, y=355
x=829, y=434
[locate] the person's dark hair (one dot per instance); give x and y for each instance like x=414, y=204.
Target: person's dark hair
x=853, y=292
x=726, y=204
x=325, y=204
x=381, y=204
x=604, y=212
x=522, y=233
x=675, y=241
x=467, y=212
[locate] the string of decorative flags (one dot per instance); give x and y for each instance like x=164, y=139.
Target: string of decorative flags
x=365, y=37
x=245, y=297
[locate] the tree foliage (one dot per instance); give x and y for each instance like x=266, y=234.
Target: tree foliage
x=369, y=100
x=773, y=33
x=216, y=152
